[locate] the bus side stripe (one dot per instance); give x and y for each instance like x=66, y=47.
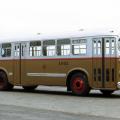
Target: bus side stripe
x=47, y=74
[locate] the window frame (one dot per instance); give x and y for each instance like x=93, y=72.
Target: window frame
x=8, y=48
x=97, y=50
x=79, y=42
x=35, y=52
x=111, y=48
x=63, y=43
x=45, y=46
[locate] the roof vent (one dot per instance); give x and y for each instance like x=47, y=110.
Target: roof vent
x=81, y=29
x=112, y=31
x=38, y=33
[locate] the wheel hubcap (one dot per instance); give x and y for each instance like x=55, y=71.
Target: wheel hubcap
x=78, y=84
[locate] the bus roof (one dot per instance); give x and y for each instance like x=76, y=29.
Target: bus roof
x=26, y=37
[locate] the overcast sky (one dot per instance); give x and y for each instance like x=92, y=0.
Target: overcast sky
x=40, y=16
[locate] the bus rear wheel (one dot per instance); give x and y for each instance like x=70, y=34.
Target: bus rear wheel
x=29, y=87
x=79, y=84
x=4, y=84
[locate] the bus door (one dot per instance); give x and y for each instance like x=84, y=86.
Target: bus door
x=104, y=62
x=19, y=62
x=23, y=61
x=109, y=62
x=97, y=63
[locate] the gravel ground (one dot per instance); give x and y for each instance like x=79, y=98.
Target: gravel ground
x=57, y=99
x=9, y=112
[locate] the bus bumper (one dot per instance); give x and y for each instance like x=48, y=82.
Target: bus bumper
x=118, y=85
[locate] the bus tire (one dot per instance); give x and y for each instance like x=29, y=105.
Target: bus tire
x=4, y=84
x=28, y=88
x=107, y=92
x=79, y=84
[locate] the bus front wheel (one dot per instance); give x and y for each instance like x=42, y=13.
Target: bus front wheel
x=79, y=84
x=4, y=84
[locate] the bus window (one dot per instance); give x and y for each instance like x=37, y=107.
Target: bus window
x=107, y=47
x=99, y=47
x=63, y=47
x=6, y=50
x=76, y=49
x=35, y=48
x=113, y=47
x=49, y=48
x=17, y=50
x=119, y=44
x=79, y=47
x=94, y=47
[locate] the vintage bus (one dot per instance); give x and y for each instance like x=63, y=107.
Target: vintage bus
x=81, y=61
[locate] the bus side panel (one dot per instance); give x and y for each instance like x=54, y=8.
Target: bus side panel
x=16, y=69
x=51, y=72
x=28, y=69
x=117, y=72
x=65, y=66
x=109, y=78
x=97, y=73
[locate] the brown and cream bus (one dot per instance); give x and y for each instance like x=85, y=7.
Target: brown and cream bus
x=80, y=61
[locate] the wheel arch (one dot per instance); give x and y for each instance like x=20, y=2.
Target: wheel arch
x=6, y=85
x=5, y=71
x=73, y=71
